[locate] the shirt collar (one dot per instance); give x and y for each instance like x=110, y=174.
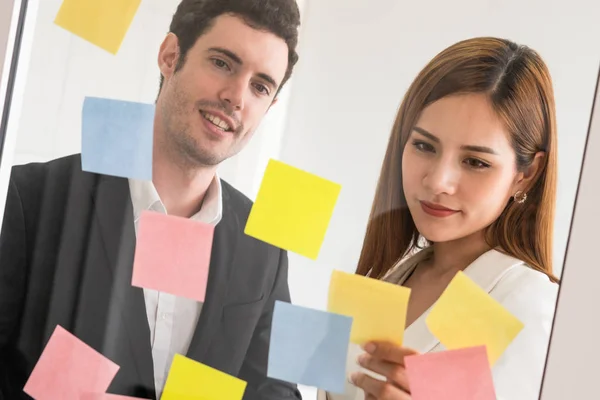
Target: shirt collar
x=145, y=197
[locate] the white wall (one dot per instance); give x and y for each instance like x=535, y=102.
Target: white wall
x=359, y=57
x=576, y=324
x=6, y=13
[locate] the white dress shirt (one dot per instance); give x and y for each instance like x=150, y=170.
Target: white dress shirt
x=526, y=293
x=172, y=319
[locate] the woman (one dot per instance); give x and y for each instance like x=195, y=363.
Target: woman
x=468, y=184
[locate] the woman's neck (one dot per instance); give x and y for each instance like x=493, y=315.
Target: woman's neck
x=453, y=256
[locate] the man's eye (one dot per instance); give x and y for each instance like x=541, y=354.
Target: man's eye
x=261, y=88
x=220, y=63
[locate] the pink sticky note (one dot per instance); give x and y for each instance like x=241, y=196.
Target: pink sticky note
x=107, y=396
x=462, y=374
x=172, y=255
x=68, y=368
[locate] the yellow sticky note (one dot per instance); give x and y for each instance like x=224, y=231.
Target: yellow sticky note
x=465, y=315
x=191, y=380
x=292, y=209
x=100, y=22
x=378, y=308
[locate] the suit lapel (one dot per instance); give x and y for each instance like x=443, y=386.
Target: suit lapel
x=486, y=271
x=114, y=217
x=220, y=270
x=128, y=334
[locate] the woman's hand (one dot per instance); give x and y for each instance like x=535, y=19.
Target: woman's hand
x=385, y=359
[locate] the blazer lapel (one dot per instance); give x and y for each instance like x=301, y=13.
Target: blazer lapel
x=486, y=271
x=128, y=334
x=222, y=256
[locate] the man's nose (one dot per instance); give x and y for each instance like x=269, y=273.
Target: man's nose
x=234, y=93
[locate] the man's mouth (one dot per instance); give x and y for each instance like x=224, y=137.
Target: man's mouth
x=216, y=121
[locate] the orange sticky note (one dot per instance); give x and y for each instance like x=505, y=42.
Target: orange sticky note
x=69, y=368
x=103, y=23
x=378, y=308
x=292, y=209
x=172, y=255
x=465, y=315
x=191, y=380
x=462, y=374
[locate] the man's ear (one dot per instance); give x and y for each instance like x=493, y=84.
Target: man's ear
x=525, y=179
x=168, y=55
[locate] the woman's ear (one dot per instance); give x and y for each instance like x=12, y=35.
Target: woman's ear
x=526, y=178
x=168, y=55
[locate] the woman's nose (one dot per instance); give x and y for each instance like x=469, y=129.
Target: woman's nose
x=442, y=177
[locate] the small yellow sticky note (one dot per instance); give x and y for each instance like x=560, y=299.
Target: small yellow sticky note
x=378, y=308
x=191, y=380
x=465, y=315
x=292, y=209
x=103, y=23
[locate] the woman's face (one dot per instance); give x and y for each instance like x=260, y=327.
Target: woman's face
x=458, y=168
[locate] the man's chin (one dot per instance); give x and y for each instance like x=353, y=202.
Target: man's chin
x=201, y=157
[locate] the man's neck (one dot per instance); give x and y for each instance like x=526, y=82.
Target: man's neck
x=181, y=190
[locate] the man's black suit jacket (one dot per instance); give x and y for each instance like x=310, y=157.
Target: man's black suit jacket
x=66, y=256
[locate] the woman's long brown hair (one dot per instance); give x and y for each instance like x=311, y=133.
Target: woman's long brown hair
x=518, y=85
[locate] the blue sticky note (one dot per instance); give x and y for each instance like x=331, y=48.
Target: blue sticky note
x=117, y=138
x=309, y=347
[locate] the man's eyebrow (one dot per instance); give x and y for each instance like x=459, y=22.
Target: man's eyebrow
x=227, y=53
x=238, y=60
x=433, y=138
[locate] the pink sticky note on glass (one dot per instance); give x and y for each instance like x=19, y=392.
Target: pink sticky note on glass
x=107, y=396
x=172, y=255
x=68, y=368
x=462, y=374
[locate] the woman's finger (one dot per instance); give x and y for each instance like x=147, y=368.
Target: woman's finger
x=379, y=389
x=388, y=351
x=395, y=373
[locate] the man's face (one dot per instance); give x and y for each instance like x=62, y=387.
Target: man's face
x=210, y=108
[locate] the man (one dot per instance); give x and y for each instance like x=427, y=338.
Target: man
x=68, y=238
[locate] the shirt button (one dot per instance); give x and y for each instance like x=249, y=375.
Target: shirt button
x=164, y=316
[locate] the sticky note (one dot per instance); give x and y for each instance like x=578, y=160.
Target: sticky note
x=191, y=380
x=172, y=255
x=117, y=138
x=377, y=307
x=465, y=315
x=462, y=374
x=292, y=209
x=309, y=347
x=69, y=368
x=103, y=23
x=107, y=396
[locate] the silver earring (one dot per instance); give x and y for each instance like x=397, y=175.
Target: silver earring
x=520, y=197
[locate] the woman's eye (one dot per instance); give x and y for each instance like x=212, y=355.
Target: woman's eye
x=477, y=164
x=423, y=146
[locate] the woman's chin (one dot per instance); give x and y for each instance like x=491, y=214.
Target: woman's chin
x=437, y=235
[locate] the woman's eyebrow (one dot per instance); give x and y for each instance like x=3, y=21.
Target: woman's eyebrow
x=478, y=149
